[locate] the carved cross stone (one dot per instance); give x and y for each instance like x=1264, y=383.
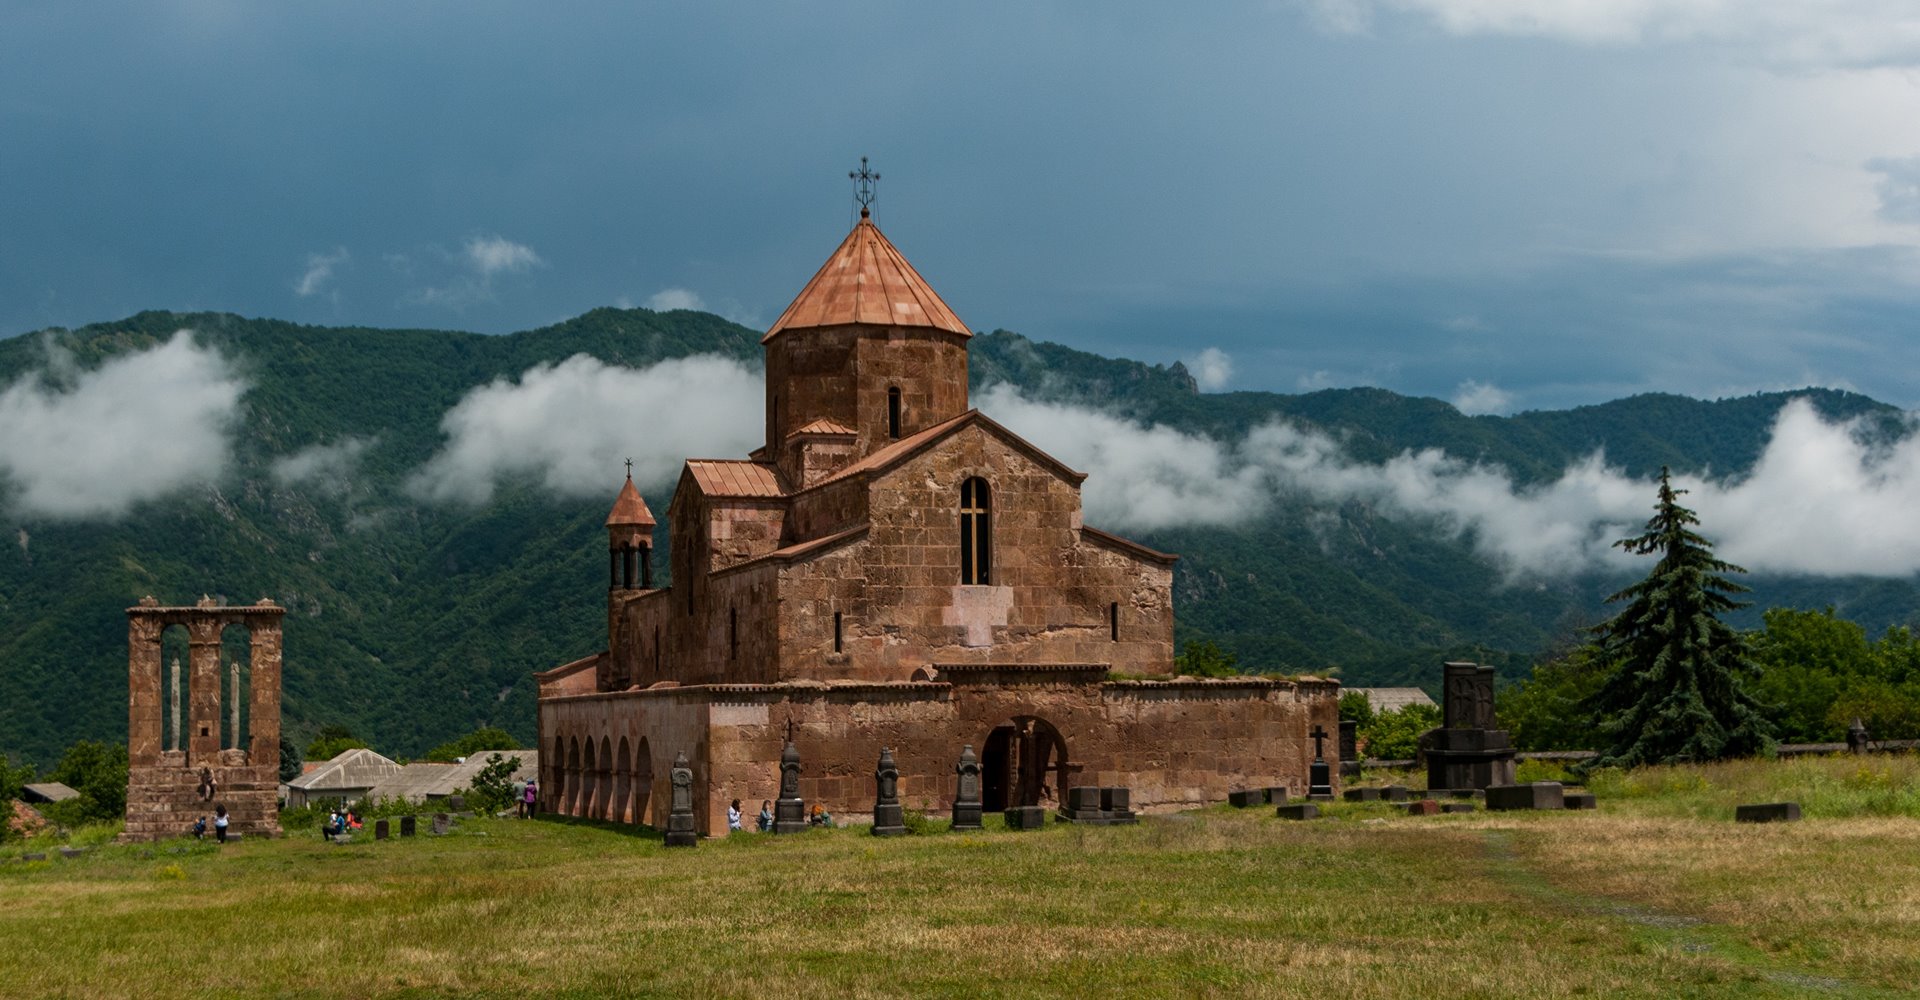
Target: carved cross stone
x=1319, y=737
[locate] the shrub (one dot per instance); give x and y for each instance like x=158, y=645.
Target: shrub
x=1396, y=735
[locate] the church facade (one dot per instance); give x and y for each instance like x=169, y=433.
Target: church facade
x=892, y=569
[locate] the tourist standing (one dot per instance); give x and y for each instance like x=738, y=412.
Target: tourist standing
x=220, y=823
x=733, y=816
x=529, y=797
x=519, y=798
x=766, y=815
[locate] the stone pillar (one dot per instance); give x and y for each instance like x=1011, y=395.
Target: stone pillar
x=203, y=691
x=264, y=656
x=143, y=690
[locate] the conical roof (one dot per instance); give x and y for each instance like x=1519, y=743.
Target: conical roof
x=867, y=280
x=629, y=510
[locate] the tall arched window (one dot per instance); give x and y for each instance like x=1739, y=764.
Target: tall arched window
x=893, y=412
x=976, y=532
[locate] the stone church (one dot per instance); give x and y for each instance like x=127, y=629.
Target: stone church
x=893, y=569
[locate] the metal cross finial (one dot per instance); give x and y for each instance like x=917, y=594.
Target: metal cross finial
x=629, y=468
x=863, y=191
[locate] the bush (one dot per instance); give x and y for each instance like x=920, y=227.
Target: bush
x=98, y=771
x=1544, y=770
x=1396, y=735
x=1355, y=706
x=1205, y=658
x=492, y=788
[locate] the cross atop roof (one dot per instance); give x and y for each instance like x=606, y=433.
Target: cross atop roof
x=864, y=180
x=629, y=468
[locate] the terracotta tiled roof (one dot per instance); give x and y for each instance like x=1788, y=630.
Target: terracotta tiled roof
x=733, y=478
x=867, y=281
x=629, y=509
x=825, y=426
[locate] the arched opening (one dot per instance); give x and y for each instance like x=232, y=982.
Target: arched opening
x=571, y=805
x=893, y=412
x=1024, y=763
x=976, y=532
x=554, y=789
x=643, y=784
x=176, y=682
x=236, y=686
x=590, y=789
x=623, y=784
x=603, y=798
x=733, y=633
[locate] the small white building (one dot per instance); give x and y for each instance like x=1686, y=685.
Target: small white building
x=346, y=778
x=1392, y=699
x=422, y=781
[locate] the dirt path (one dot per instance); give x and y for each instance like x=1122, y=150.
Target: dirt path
x=1675, y=931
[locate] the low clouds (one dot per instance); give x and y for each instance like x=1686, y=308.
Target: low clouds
x=477, y=265
x=570, y=426
x=1211, y=369
x=1819, y=502
x=93, y=444
x=669, y=299
x=319, y=271
x=327, y=467
x=491, y=255
x=1474, y=398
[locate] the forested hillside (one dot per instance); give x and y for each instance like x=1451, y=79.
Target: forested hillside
x=412, y=622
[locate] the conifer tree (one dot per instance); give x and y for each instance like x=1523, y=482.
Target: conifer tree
x=1676, y=690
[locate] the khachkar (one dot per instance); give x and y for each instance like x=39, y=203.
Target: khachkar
x=181, y=769
x=1467, y=752
x=789, y=810
x=967, y=807
x=889, y=818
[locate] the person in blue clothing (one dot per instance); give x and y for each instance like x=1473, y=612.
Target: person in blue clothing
x=766, y=815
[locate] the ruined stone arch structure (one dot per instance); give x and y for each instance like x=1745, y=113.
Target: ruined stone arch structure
x=170, y=784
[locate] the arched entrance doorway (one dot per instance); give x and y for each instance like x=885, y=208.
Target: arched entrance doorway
x=643, y=783
x=1023, y=763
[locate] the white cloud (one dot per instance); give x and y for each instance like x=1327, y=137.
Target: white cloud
x=1819, y=501
x=326, y=466
x=669, y=299
x=1474, y=398
x=570, y=425
x=1211, y=368
x=141, y=426
x=491, y=255
x=319, y=271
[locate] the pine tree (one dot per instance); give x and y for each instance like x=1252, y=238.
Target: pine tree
x=1676, y=691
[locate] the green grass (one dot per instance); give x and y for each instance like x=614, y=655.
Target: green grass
x=1655, y=895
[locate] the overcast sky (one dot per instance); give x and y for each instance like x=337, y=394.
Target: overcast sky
x=1506, y=203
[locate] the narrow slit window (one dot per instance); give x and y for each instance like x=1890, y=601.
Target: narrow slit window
x=1113, y=620
x=976, y=532
x=733, y=633
x=836, y=632
x=893, y=412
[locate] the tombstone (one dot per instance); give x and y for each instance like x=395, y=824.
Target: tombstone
x=442, y=823
x=966, y=797
x=380, y=829
x=234, y=835
x=1857, y=736
x=1349, y=748
x=1277, y=796
x=1580, y=800
x=33, y=857
x=1319, y=776
x=1117, y=803
x=1362, y=795
x=1298, y=810
x=790, y=810
x=1456, y=807
x=1421, y=807
x=1026, y=817
x=1083, y=806
x=680, y=806
x=1534, y=795
x=71, y=852
x=1394, y=793
x=1466, y=751
x=1242, y=798
x=457, y=803
x=1770, y=812
x=406, y=826
x=889, y=820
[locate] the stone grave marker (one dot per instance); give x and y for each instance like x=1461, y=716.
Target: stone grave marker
x=456, y=803
x=1117, y=803
x=889, y=819
x=1277, y=796
x=442, y=823
x=1456, y=807
x=1768, y=812
x=1421, y=807
x=1394, y=793
x=1083, y=806
x=33, y=857
x=1362, y=795
x=71, y=852
x=1244, y=797
x=1349, y=748
x=406, y=826
x=789, y=810
x=380, y=829
x=1533, y=795
x=680, y=806
x=1026, y=817
x=967, y=806
x=1320, y=776
x=1580, y=800
x=1298, y=810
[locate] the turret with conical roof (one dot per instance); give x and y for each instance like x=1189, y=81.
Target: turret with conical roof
x=867, y=346
x=629, y=540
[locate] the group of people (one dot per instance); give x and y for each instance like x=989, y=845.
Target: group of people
x=815, y=817
x=219, y=825
x=525, y=794
x=340, y=822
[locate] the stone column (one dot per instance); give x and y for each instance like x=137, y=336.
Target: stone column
x=264, y=722
x=143, y=691
x=203, y=691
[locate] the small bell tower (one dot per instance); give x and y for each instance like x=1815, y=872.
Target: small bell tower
x=630, y=540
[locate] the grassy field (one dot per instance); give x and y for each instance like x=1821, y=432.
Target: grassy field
x=1658, y=894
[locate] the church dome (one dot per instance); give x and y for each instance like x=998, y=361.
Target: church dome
x=629, y=510
x=867, y=281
